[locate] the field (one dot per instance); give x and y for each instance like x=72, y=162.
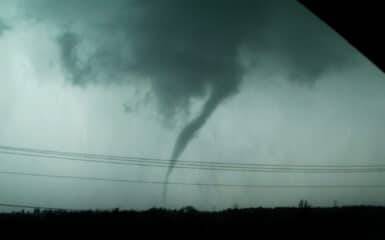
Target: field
x=364, y=221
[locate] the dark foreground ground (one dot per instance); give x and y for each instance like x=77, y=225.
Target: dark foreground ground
x=312, y=222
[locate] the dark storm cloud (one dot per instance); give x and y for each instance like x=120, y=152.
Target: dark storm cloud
x=3, y=26
x=69, y=43
x=192, y=48
x=186, y=47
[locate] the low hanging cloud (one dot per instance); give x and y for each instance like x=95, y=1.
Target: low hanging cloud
x=186, y=48
x=68, y=43
x=189, y=49
x=3, y=26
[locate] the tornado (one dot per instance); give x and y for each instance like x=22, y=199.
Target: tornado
x=218, y=94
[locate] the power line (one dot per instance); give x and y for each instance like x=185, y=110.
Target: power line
x=30, y=206
x=183, y=183
x=12, y=205
x=196, y=166
x=168, y=161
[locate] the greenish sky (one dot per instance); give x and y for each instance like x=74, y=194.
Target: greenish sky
x=217, y=81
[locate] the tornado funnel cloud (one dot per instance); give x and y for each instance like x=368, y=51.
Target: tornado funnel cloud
x=188, y=132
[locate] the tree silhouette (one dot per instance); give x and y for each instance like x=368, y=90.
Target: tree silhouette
x=303, y=204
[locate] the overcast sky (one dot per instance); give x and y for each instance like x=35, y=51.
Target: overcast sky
x=217, y=81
